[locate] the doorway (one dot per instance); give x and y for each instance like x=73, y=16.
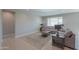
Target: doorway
x=8, y=29
x=8, y=23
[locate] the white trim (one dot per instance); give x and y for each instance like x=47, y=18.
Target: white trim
x=25, y=34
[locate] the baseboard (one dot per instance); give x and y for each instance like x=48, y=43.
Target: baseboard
x=25, y=34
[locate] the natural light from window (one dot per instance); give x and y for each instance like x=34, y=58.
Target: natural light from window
x=51, y=21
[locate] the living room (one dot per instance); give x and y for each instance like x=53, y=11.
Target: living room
x=27, y=27
x=39, y=29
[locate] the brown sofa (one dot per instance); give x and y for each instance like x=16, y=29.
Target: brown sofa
x=70, y=39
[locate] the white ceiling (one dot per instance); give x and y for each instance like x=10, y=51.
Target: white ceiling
x=48, y=12
x=44, y=10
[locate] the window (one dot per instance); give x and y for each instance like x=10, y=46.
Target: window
x=54, y=21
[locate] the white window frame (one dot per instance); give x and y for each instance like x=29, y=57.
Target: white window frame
x=49, y=21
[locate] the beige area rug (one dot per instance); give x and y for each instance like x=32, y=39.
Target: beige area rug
x=37, y=40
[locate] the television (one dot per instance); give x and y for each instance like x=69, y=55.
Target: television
x=57, y=27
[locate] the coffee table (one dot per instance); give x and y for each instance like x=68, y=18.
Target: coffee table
x=58, y=41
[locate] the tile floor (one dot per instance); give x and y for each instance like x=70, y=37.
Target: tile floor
x=30, y=42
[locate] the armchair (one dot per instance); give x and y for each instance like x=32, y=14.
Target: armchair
x=70, y=39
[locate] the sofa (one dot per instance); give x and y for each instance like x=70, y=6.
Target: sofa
x=70, y=39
